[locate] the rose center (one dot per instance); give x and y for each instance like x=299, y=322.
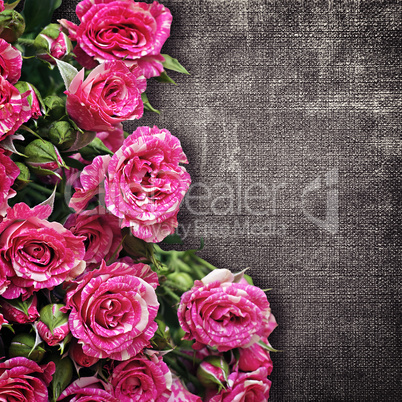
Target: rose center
x=37, y=253
x=131, y=386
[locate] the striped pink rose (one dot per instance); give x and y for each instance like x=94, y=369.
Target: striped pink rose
x=9, y=171
x=102, y=234
x=113, y=309
x=145, y=183
x=10, y=62
x=181, y=394
x=109, y=95
x=35, y=253
x=24, y=380
x=121, y=30
x=250, y=386
x=88, y=389
x=144, y=377
x=223, y=311
x=15, y=108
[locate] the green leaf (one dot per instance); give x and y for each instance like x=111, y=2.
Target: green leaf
x=135, y=246
x=42, y=151
x=46, y=172
x=38, y=14
x=267, y=347
x=147, y=105
x=73, y=163
x=172, y=64
x=95, y=148
x=82, y=139
x=11, y=6
x=62, y=376
x=67, y=71
x=172, y=239
x=249, y=279
x=165, y=78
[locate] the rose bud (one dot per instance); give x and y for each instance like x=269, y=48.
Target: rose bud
x=213, y=372
x=53, y=324
x=12, y=25
x=19, y=311
x=23, y=178
x=62, y=134
x=76, y=353
x=33, y=101
x=56, y=107
x=136, y=247
x=52, y=42
x=182, y=281
x=22, y=345
x=254, y=357
x=2, y=320
x=43, y=157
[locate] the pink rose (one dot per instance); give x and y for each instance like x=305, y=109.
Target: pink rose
x=181, y=394
x=33, y=102
x=10, y=62
x=53, y=44
x=88, y=389
x=254, y=357
x=144, y=377
x=101, y=231
x=90, y=183
x=8, y=173
x=53, y=337
x=107, y=97
x=53, y=324
x=117, y=30
x=35, y=253
x=221, y=313
x=145, y=183
x=113, y=309
x=15, y=109
x=78, y=356
x=1, y=5
x=24, y=380
x=20, y=311
x=252, y=386
x=112, y=139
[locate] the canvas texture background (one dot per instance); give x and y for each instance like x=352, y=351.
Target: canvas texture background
x=290, y=120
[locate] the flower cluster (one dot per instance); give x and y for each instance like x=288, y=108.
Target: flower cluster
x=91, y=308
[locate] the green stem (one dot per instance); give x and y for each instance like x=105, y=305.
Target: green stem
x=27, y=42
x=193, y=359
x=205, y=263
x=171, y=294
x=37, y=197
x=44, y=190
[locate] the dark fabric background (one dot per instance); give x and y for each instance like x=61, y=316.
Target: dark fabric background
x=291, y=121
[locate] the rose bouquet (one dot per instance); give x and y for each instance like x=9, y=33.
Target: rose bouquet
x=91, y=307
